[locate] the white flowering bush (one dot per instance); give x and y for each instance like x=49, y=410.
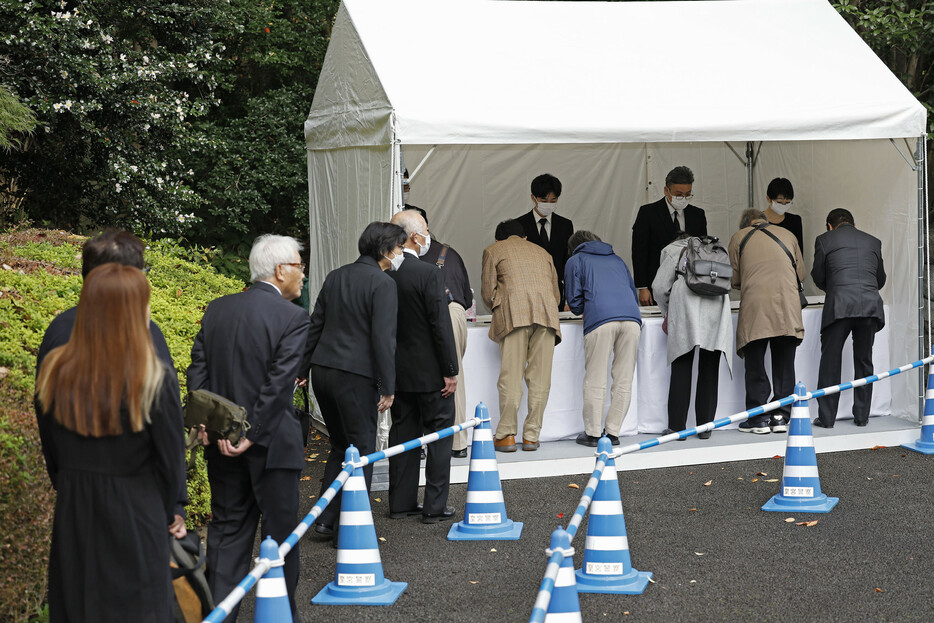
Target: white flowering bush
x=115, y=88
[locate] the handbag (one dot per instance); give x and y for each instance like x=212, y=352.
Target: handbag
x=802, y=300
x=193, y=599
x=221, y=418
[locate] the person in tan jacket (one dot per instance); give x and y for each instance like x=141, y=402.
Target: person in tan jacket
x=769, y=313
x=520, y=286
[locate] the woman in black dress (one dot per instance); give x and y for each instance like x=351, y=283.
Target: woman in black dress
x=780, y=193
x=112, y=434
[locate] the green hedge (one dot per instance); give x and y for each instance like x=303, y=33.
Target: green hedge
x=40, y=276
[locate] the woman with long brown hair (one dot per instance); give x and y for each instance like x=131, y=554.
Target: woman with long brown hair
x=112, y=434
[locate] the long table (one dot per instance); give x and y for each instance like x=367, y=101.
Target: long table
x=648, y=411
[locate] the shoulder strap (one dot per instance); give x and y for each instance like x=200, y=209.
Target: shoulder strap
x=742, y=244
x=444, y=253
x=794, y=265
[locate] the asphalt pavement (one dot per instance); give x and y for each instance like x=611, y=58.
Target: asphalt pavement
x=714, y=554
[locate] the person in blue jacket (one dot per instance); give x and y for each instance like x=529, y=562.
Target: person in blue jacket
x=599, y=287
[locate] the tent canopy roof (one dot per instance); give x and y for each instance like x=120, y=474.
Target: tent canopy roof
x=501, y=72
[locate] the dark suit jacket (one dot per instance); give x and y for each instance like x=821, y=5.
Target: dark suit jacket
x=249, y=350
x=848, y=267
x=353, y=325
x=425, y=352
x=58, y=334
x=653, y=231
x=557, y=247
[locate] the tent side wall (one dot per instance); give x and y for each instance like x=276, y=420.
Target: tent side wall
x=348, y=189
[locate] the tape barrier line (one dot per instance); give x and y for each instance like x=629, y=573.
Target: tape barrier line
x=223, y=609
x=557, y=557
x=547, y=586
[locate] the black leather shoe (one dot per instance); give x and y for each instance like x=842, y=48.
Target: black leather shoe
x=704, y=435
x=861, y=423
x=587, y=440
x=403, y=514
x=820, y=424
x=459, y=454
x=669, y=431
x=324, y=530
x=445, y=515
x=614, y=439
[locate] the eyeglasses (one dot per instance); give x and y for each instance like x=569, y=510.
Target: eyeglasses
x=301, y=265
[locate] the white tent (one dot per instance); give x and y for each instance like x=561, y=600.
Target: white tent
x=476, y=97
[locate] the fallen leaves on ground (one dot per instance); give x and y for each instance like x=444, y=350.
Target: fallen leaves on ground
x=474, y=581
x=809, y=524
x=789, y=519
x=708, y=483
x=560, y=515
x=691, y=510
x=879, y=590
x=771, y=480
x=492, y=549
x=698, y=554
x=877, y=448
x=574, y=486
x=306, y=478
x=377, y=499
x=777, y=456
x=755, y=480
x=761, y=474
x=383, y=539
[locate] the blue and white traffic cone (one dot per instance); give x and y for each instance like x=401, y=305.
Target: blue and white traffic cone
x=564, y=606
x=272, y=597
x=607, y=566
x=359, y=579
x=485, y=512
x=925, y=443
x=800, y=481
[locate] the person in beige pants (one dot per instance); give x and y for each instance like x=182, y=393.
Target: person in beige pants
x=520, y=286
x=599, y=286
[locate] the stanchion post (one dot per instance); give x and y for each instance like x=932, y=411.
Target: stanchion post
x=272, y=597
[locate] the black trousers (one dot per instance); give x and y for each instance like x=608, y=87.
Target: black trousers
x=679, y=388
x=832, y=339
x=783, y=371
x=348, y=404
x=415, y=414
x=242, y=489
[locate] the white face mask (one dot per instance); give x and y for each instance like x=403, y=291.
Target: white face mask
x=423, y=248
x=779, y=208
x=545, y=209
x=678, y=203
x=395, y=261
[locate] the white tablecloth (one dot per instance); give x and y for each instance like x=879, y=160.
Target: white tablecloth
x=648, y=412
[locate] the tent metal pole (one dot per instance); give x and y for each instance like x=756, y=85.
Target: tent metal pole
x=924, y=264
x=750, y=167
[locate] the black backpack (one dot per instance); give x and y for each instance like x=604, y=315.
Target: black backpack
x=705, y=266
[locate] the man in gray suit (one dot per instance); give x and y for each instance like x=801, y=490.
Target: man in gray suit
x=848, y=267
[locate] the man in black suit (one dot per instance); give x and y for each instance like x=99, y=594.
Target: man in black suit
x=548, y=230
x=249, y=350
x=657, y=224
x=426, y=378
x=120, y=247
x=848, y=267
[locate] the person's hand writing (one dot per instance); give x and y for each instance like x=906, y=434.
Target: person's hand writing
x=384, y=403
x=645, y=297
x=177, y=528
x=228, y=449
x=450, y=386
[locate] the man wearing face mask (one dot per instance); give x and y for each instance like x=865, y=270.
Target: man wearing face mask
x=548, y=230
x=657, y=225
x=426, y=378
x=779, y=195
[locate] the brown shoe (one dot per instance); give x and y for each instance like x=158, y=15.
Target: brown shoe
x=506, y=444
x=529, y=446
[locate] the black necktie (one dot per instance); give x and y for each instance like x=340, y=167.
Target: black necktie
x=541, y=230
x=677, y=224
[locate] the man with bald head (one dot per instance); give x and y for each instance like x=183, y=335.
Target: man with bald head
x=426, y=371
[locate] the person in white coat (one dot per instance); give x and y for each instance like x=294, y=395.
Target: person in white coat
x=693, y=322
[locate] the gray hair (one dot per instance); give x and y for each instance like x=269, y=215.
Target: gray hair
x=750, y=216
x=579, y=237
x=268, y=252
x=409, y=220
